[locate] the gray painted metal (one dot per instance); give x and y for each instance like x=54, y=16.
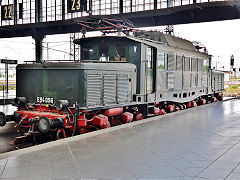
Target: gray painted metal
x=178, y=81
x=217, y=81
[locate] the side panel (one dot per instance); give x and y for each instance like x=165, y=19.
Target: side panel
x=109, y=87
x=93, y=91
x=135, y=58
x=143, y=85
x=124, y=89
x=59, y=84
x=29, y=83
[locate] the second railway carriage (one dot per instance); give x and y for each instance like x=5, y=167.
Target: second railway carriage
x=118, y=80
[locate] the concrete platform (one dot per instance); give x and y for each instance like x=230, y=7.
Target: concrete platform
x=198, y=143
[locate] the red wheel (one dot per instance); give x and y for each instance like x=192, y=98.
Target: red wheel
x=139, y=117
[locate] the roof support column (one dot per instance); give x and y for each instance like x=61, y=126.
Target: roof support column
x=38, y=11
x=15, y=10
x=63, y=9
x=155, y=4
x=120, y=6
x=38, y=47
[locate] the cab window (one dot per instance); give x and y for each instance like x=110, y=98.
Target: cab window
x=120, y=52
x=205, y=65
x=103, y=53
x=88, y=53
x=160, y=60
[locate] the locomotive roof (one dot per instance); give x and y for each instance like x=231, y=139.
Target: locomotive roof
x=77, y=65
x=156, y=39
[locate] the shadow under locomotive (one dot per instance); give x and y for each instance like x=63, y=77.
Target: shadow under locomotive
x=119, y=79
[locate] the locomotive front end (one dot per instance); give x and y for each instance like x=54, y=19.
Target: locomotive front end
x=63, y=99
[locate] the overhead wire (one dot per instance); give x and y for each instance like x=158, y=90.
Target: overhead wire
x=56, y=50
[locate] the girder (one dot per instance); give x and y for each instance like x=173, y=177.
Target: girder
x=190, y=13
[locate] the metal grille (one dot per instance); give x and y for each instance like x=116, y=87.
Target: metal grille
x=105, y=7
x=199, y=79
x=194, y=80
x=200, y=65
x=186, y=80
x=194, y=64
x=94, y=89
x=137, y=5
x=179, y=62
x=161, y=82
x=218, y=83
x=204, y=79
x=178, y=82
x=170, y=80
x=222, y=82
x=122, y=89
x=109, y=88
x=187, y=64
x=170, y=62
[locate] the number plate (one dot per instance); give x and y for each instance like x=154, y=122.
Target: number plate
x=45, y=100
x=77, y=6
x=7, y=12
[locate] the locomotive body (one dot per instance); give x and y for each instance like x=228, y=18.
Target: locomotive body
x=118, y=80
x=168, y=68
x=88, y=84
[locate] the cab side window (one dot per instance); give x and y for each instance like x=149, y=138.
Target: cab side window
x=120, y=52
x=88, y=53
x=103, y=53
x=160, y=60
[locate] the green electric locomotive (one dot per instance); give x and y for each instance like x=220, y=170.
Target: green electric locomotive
x=118, y=80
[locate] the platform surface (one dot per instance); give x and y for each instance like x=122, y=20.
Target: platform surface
x=198, y=143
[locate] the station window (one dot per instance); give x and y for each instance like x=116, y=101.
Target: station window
x=186, y=64
x=88, y=53
x=160, y=60
x=103, y=53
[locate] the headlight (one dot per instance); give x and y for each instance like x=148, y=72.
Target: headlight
x=43, y=125
x=20, y=102
x=61, y=104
